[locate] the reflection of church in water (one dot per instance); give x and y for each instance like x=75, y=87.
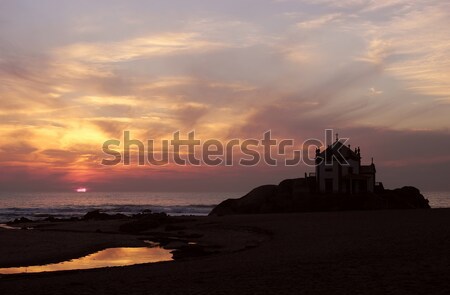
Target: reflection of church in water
x=339, y=170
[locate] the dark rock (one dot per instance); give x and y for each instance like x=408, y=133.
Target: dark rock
x=52, y=219
x=97, y=215
x=407, y=197
x=295, y=195
x=21, y=220
x=257, y=201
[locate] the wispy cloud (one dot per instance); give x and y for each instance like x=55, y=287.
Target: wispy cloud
x=416, y=45
x=137, y=48
x=377, y=52
x=319, y=21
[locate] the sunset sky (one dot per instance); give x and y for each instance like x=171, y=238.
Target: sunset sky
x=76, y=73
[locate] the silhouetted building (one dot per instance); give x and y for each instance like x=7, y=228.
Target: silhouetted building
x=339, y=170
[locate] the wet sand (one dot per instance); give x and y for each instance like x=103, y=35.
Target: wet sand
x=372, y=252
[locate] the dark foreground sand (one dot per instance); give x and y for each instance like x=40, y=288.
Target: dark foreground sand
x=376, y=252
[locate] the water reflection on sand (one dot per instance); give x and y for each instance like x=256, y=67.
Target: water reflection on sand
x=5, y=226
x=105, y=258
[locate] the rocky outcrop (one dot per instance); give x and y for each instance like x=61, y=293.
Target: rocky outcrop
x=21, y=220
x=291, y=196
x=98, y=215
x=145, y=221
x=407, y=197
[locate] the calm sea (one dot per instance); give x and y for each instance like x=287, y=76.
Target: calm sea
x=41, y=205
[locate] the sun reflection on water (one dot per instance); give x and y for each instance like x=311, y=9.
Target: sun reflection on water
x=106, y=258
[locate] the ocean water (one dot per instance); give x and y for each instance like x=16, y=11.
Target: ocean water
x=438, y=199
x=41, y=205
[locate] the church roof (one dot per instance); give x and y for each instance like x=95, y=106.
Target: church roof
x=337, y=149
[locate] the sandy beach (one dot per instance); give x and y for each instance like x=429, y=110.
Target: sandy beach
x=375, y=252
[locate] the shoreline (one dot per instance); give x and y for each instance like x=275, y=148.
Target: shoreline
x=314, y=252
x=437, y=200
